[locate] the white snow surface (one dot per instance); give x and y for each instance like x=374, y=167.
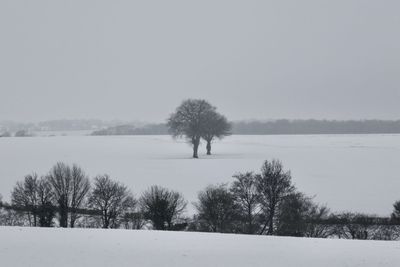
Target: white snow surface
x=21, y=247
x=346, y=172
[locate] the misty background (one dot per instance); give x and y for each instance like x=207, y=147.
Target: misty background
x=137, y=60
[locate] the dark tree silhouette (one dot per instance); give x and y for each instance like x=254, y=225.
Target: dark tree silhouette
x=46, y=199
x=80, y=188
x=273, y=185
x=22, y=133
x=111, y=199
x=25, y=194
x=297, y=214
x=217, y=126
x=189, y=120
x=35, y=196
x=352, y=228
x=70, y=186
x=244, y=190
x=162, y=207
x=396, y=210
x=5, y=134
x=217, y=209
x=317, y=213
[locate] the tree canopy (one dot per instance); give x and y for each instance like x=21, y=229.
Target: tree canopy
x=195, y=119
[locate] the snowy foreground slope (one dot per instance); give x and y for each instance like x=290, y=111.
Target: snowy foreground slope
x=83, y=247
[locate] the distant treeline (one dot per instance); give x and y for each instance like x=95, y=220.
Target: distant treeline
x=148, y=129
x=316, y=127
x=275, y=127
x=8, y=128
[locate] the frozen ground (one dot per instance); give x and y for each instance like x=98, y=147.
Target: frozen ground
x=347, y=172
x=20, y=247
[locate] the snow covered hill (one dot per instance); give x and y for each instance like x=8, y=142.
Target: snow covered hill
x=83, y=247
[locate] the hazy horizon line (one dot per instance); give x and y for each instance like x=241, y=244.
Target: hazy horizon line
x=116, y=120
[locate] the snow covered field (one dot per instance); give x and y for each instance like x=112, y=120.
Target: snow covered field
x=20, y=247
x=347, y=172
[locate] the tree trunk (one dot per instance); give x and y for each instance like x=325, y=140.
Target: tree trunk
x=250, y=221
x=106, y=223
x=63, y=217
x=208, y=147
x=196, y=142
x=263, y=229
x=271, y=222
x=72, y=220
x=63, y=210
x=34, y=219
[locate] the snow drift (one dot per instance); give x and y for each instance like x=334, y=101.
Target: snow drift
x=86, y=247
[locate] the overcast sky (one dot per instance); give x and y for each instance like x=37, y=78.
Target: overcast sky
x=137, y=60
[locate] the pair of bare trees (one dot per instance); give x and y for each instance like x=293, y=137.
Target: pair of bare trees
x=196, y=119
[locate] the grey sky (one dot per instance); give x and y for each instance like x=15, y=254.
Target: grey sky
x=137, y=60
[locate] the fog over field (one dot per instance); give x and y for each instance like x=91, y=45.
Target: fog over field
x=199, y=133
x=346, y=172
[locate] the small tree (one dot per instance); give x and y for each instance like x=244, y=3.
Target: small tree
x=273, y=185
x=111, y=199
x=189, y=120
x=80, y=187
x=217, y=209
x=25, y=195
x=315, y=214
x=396, y=210
x=217, y=126
x=162, y=207
x=34, y=196
x=300, y=216
x=45, y=210
x=353, y=226
x=70, y=186
x=244, y=190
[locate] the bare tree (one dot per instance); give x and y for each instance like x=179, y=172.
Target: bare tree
x=25, y=194
x=34, y=197
x=299, y=216
x=133, y=220
x=111, y=198
x=244, y=190
x=396, y=210
x=317, y=213
x=70, y=186
x=46, y=198
x=273, y=185
x=217, y=126
x=189, y=120
x=80, y=187
x=163, y=207
x=352, y=226
x=60, y=180
x=217, y=209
